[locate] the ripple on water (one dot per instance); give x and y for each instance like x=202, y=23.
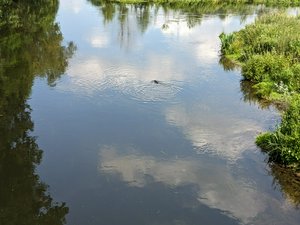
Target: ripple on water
x=90, y=80
x=140, y=87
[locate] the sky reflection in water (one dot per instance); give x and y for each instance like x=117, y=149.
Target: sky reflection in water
x=133, y=151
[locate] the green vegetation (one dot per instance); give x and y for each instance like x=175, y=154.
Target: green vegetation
x=269, y=54
x=185, y=2
x=30, y=46
x=283, y=144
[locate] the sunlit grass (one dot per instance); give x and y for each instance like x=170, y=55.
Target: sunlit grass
x=269, y=2
x=269, y=54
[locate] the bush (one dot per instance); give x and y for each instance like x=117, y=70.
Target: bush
x=268, y=66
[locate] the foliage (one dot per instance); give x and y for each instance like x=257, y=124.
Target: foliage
x=283, y=144
x=275, y=33
x=267, y=2
x=268, y=52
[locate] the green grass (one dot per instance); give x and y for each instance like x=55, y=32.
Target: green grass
x=267, y=2
x=283, y=144
x=269, y=53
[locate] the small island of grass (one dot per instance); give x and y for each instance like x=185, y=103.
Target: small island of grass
x=269, y=53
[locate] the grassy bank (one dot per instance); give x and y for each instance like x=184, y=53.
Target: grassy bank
x=267, y=2
x=269, y=54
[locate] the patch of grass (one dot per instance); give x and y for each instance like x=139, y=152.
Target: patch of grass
x=274, y=33
x=283, y=144
x=269, y=54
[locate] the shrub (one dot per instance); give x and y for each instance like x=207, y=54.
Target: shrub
x=268, y=66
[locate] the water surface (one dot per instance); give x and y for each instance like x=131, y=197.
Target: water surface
x=120, y=148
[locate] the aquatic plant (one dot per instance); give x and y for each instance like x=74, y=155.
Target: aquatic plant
x=268, y=52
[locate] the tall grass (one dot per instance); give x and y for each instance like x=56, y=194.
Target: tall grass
x=269, y=54
x=277, y=33
x=283, y=144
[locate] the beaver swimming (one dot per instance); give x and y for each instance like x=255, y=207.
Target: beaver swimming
x=155, y=81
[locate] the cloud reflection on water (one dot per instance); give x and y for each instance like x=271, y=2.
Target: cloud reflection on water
x=214, y=131
x=74, y=5
x=216, y=187
x=91, y=76
x=163, y=54
x=98, y=40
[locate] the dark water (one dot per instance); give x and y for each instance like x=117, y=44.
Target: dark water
x=115, y=114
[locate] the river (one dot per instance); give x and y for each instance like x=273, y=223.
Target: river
x=124, y=114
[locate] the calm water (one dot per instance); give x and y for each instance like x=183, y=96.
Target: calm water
x=87, y=136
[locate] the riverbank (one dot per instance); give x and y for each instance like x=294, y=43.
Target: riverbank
x=267, y=2
x=269, y=53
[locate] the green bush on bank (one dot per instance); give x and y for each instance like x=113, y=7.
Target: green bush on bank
x=269, y=54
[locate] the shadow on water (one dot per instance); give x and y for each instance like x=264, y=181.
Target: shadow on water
x=227, y=64
x=287, y=182
x=249, y=92
x=251, y=97
x=30, y=46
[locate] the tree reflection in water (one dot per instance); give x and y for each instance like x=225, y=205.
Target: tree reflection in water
x=30, y=46
x=191, y=13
